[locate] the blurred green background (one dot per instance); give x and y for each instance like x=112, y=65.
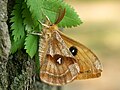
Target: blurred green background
x=100, y=32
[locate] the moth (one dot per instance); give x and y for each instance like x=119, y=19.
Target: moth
x=63, y=59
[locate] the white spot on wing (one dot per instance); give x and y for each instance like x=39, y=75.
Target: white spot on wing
x=59, y=60
x=98, y=64
x=73, y=51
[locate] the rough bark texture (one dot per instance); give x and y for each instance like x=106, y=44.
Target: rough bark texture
x=17, y=72
x=22, y=75
x=4, y=45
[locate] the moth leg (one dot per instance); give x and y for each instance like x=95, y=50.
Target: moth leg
x=38, y=34
x=45, y=25
x=34, y=33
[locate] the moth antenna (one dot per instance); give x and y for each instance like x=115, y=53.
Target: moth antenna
x=47, y=21
x=60, y=16
x=45, y=25
x=47, y=18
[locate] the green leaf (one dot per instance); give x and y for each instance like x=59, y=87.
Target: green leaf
x=51, y=9
x=25, y=19
x=31, y=16
x=17, y=26
x=31, y=45
x=71, y=18
x=35, y=8
x=28, y=21
x=17, y=45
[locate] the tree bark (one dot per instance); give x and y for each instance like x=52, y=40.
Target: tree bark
x=18, y=71
x=4, y=45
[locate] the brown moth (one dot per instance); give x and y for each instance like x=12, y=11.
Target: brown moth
x=62, y=59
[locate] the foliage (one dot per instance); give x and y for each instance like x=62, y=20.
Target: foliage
x=25, y=18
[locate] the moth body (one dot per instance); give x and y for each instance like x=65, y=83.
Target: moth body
x=63, y=59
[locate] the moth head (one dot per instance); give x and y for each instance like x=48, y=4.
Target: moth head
x=53, y=27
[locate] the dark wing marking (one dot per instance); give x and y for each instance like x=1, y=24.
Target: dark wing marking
x=53, y=72
x=90, y=66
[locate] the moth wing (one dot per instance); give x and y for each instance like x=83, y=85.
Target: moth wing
x=58, y=65
x=90, y=66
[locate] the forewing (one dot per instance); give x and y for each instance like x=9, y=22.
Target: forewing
x=90, y=66
x=58, y=65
